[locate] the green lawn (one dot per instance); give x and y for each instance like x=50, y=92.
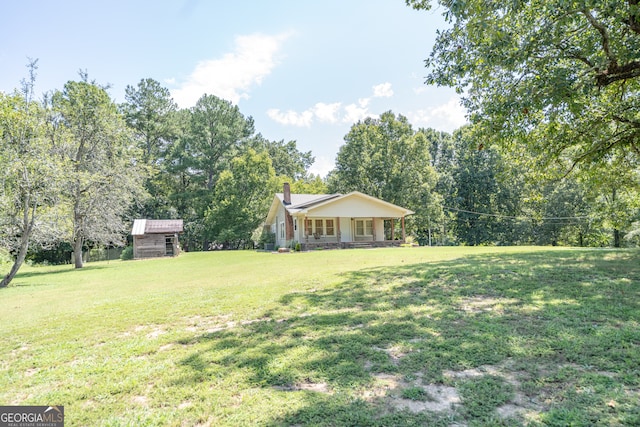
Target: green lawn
x=404, y=336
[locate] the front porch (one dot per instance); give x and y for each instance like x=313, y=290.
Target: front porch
x=348, y=233
x=310, y=246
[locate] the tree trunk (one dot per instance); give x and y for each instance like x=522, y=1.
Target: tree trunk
x=28, y=221
x=616, y=238
x=77, y=252
x=22, y=253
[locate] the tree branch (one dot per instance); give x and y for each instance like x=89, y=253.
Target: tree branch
x=633, y=22
x=613, y=72
x=605, y=37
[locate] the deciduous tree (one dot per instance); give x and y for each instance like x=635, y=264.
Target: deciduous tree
x=29, y=185
x=103, y=173
x=386, y=158
x=241, y=199
x=568, y=69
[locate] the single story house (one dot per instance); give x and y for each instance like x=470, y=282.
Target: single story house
x=154, y=238
x=335, y=220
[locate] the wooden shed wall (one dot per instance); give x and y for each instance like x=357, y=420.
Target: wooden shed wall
x=149, y=246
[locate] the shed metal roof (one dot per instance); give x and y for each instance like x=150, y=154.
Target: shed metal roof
x=156, y=226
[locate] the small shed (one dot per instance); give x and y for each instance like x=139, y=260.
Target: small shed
x=153, y=238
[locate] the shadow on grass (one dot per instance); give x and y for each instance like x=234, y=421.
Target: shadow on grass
x=536, y=312
x=44, y=272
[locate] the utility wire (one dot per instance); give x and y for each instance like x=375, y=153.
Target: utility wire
x=522, y=218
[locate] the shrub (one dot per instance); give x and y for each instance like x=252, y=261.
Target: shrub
x=127, y=253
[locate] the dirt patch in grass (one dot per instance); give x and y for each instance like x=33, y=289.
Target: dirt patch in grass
x=481, y=304
x=519, y=404
x=140, y=400
x=439, y=398
x=388, y=388
x=317, y=387
x=392, y=391
x=395, y=353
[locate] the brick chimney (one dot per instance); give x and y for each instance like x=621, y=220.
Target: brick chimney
x=287, y=194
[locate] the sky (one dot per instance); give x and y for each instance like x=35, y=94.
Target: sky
x=304, y=70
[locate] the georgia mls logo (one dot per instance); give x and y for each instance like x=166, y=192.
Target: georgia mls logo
x=31, y=416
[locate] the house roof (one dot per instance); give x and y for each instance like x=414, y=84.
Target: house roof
x=351, y=204
x=156, y=226
x=302, y=201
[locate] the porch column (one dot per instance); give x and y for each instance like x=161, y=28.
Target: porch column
x=373, y=228
x=338, y=235
x=404, y=237
x=393, y=229
x=306, y=230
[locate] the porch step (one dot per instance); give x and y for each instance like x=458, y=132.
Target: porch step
x=360, y=245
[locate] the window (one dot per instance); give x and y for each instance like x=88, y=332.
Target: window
x=282, y=230
x=364, y=227
x=329, y=227
x=320, y=227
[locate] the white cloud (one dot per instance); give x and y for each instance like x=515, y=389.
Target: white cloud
x=303, y=119
x=331, y=113
x=446, y=117
x=355, y=113
x=383, y=90
x=322, y=166
x=170, y=81
x=232, y=76
x=327, y=112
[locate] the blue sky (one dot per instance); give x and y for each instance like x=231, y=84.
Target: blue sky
x=305, y=71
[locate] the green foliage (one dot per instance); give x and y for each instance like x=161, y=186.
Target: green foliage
x=240, y=199
x=310, y=184
x=560, y=76
x=481, y=396
x=266, y=237
x=385, y=158
x=103, y=178
x=415, y=393
x=127, y=253
x=286, y=159
x=150, y=111
x=30, y=186
x=479, y=197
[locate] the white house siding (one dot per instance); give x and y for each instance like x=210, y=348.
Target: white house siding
x=356, y=206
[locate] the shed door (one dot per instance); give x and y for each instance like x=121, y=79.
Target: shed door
x=169, y=245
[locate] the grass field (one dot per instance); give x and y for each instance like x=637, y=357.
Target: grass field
x=384, y=337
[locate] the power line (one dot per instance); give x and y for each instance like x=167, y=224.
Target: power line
x=521, y=218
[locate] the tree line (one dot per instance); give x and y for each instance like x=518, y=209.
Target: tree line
x=550, y=155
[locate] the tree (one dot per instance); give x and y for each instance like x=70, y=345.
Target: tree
x=214, y=132
x=385, y=158
x=152, y=114
x=311, y=184
x=30, y=176
x=217, y=131
x=613, y=190
x=562, y=76
x=150, y=111
x=104, y=177
x=241, y=199
x=286, y=159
